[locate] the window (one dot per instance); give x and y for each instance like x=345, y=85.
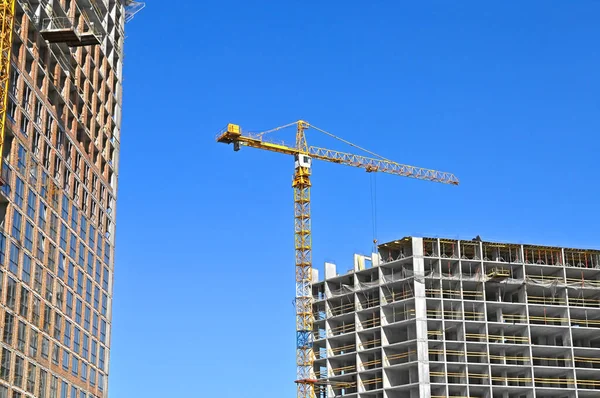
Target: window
x=99, y=245
x=74, y=217
x=92, y=234
x=67, y=335
x=64, y=234
x=18, y=378
x=26, y=275
x=35, y=316
x=95, y=325
x=86, y=323
x=98, y=271
x=21, y=336
x=31, y=204
x=96, y=298
x=2, y=248
x=26, y=98
x=16, y=227
x=104, y=304
x=101, y=359
x=42, y=385
x=90, y=263
x=65, y=360
x=45, y=347
x=78, y=311
x=76, y=339
x=107, y=253
x=80, y=282
x=103, y=331
x=14, y=81
x=88, y=290
x=42, y=215
x=49, y=123
x=74, y=391
x=60, y=289
x=73, y=246
x=83, y=227
x=7, y=177
x=49, y=287
x=69, y=310
x=29, y=236
x=93, y=352
x=46, y=158
x=19, y=190
x=92, y=376
x=11, y=293
x=52, y=258
x=33, y=168
x=84, y=370
x=53, y=387
x=64, y=391
x=24, y=124
x=105, y=279
x=41, y=242
x=33, y=343
x=57, y=326
x=65, y=207
x=39, y=107
x=37, y=278
x=71, y=275
x=47, y=318
x=9, y=322
x=30, y=378
x=5, y=364
x=21, y=160
x=14, y=259
x=12, y=110
x=85, y=346
x=55, y=353
x=24, y=308
x=75, y=368
x=81, y=260
x=61, y=265
x=53, y=226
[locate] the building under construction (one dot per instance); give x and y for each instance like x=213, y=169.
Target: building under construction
x=429, y=317
x=61, y=78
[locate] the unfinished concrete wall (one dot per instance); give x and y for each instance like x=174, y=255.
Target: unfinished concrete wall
x=448, y=318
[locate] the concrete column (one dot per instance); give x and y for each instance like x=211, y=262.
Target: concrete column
x=421, y=318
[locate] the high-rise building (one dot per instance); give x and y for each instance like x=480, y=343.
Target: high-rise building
x=433, y=318
x=60, y=164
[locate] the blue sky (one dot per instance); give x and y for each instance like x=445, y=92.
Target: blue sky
x=503, y=95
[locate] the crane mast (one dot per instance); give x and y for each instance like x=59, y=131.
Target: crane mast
x=305, y=376
x=306, y=380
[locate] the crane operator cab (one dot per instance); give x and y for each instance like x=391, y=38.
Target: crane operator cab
x=302, y=160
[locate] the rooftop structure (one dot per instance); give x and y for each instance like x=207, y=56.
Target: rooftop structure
x=429, y=317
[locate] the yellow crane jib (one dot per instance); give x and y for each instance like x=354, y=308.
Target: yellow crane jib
x=306, y=379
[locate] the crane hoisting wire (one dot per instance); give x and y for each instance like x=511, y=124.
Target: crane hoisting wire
x=373, y=180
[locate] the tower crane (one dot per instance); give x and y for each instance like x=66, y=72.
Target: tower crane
x=304, y=154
